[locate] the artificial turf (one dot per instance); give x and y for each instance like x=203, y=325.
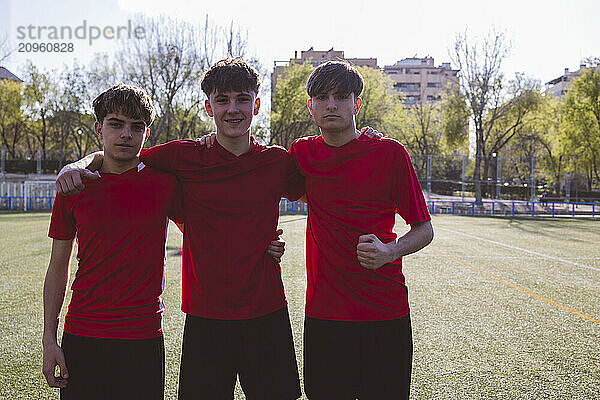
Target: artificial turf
x=502, y=308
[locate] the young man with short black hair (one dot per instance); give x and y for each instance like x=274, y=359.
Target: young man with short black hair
x=112, y=346
x=357, y=334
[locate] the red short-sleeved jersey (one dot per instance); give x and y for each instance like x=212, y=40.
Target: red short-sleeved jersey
x=120, y=222
x=354, y=190
x=230, y=211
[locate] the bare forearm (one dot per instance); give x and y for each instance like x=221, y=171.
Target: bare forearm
x=92, y=162
x=55, y=287
x=419, y=236
x=54, y=295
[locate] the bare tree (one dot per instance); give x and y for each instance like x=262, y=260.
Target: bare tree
x=53, y=111
x=5, y=48
x=481, y=81
x=210, y=37
x=236, y=41
x=169, y=64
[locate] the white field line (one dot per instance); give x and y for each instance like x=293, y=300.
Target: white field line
x=547, y=256
x=523, y=257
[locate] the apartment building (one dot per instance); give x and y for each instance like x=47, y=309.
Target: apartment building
x=419, y=80
x=316, y=58
x=558, y=87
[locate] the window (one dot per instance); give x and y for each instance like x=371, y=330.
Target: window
x=408, y=87
x=434, y=84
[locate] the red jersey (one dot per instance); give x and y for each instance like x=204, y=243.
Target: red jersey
x=230, y=212
x=354, y=190
x=120, y=222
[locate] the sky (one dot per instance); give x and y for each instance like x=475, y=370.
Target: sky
x=546, y=36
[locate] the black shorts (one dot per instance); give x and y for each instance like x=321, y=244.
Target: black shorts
x=113, y=368
x=345, y=360
x=258, y=350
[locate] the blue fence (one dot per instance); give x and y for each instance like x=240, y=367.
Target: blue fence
x=492, y=208
x=287, y=207
x=33, y=203
x=44, y=203
x=513, y=208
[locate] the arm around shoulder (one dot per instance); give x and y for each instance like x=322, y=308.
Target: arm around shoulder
x=70, y=178
x=91, y=162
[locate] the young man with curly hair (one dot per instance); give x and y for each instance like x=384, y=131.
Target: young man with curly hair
x=112, y=346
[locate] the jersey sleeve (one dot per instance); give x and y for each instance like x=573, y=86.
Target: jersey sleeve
x=294, y=181
x=406, y=189
x=163, y=157
x=62, y=223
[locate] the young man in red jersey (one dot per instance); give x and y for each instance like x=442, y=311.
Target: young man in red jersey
x=357, y=334
x=237, y=321
x=112, y=346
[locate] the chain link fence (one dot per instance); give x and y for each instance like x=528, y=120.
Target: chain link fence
x=507, y=178
x=442, y=177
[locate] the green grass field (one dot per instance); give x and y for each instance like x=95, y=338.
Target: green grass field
x=502, y=308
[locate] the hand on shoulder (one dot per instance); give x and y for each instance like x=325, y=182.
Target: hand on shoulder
x=70, y=180
x=371, y=133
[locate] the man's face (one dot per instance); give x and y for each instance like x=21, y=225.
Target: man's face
x=333, y=111
x=233, y=112
x=122, y=137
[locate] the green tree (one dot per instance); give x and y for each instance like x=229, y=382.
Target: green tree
x=539, y=138
x=514, y=121
x=73, y=115
x=382, y=108
x=580, y=132
x=39, y=93
x=290, y=118
x=454, y=115
x=422, y=128
x=12, y=128
x=547, y=121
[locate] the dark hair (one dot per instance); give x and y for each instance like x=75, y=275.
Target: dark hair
x=339, y=76
x=130, y=101
x=230, y=75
